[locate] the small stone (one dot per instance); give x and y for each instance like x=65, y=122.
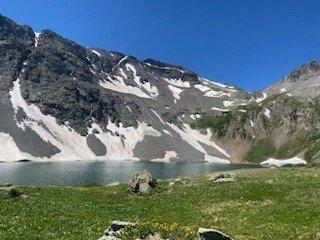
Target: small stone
x=223, y=177
x=225, y=180
x=212, y=234
x=178, y=180
x=118, y=225
x=115, y=230
x=24, y=196
x=113, y=184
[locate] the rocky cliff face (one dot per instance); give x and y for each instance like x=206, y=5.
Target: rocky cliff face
x=62, y=101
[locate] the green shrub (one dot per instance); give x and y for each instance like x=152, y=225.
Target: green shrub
x=312, y=151
x=260, y=151
x=218, y=124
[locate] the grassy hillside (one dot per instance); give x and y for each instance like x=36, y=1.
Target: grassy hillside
x=261, y=204
x=293, y=121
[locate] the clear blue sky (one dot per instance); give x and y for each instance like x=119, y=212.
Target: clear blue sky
x=249, y=44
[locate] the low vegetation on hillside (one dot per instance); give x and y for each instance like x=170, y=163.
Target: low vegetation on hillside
x=259, y=131
x=260, y=204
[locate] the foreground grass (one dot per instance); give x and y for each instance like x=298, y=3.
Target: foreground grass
x=261, y=204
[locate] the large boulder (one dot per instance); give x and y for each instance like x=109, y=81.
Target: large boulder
x=14, y=192
x=142, y=182
x=212, y=234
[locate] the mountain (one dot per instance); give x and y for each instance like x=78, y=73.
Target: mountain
x=63, y=101
x=285, y=124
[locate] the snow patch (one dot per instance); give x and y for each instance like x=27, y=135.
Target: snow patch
x=227, y=87
x=213, y=93
x=194, y=137
x=92, y=71
x=282, y=162
x=36, y=38
x=158, y=116
x=120, y=61
x=166, y=159
x=9, y=150
x=71, y=144
x=175, y=92
x=202, y=88
x=263, y=97
x=167, y=132
x=220, y=109
x=267, y=112
x=118, y=85
x=228, y=103
x=177, y=82
x=152, y=90
x=283, y=90
x=96, y=52
x=121, y=141
x=195, y=116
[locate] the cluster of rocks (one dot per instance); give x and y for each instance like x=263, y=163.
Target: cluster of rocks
x=177, y=180
x=116, y=229
x=223, y=177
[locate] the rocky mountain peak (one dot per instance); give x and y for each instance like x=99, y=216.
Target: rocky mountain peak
x=304, y=72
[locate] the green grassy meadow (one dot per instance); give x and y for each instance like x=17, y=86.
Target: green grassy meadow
x=261, y=204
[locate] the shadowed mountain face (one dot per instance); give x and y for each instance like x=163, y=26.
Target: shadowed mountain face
x=62, y=101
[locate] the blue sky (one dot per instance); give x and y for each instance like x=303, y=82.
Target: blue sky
x=249, y=44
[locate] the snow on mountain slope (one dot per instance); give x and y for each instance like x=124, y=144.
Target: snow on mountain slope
x=62, y=101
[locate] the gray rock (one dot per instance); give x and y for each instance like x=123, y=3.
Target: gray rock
x=114, y=231
x=142, y=182
x=113, y=184
x=223, y=177
x=224, y=180
x=14, y=192
x=212, y=234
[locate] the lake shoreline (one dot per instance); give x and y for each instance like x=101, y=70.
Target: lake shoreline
x=81, y=173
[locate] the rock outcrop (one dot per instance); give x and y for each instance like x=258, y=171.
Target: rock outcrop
x=212, y=234
x=142, y=182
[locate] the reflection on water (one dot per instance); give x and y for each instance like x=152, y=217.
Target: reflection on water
x=98, y=172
